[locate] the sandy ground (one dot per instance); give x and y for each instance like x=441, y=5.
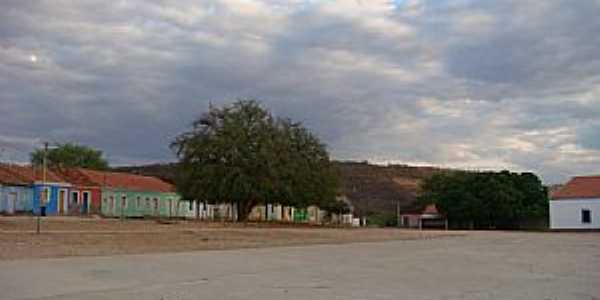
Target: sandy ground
x=479, y=265
x=70, y=236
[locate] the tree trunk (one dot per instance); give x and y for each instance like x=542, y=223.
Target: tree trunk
x=243, y=211
x=267, y=212
x=239, y=212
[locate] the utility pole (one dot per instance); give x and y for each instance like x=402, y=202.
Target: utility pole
x=44, y=188
x=398, y=224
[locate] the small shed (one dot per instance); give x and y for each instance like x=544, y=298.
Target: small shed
x=428, y=217
x=576, y=206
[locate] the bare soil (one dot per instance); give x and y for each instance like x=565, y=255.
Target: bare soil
x=73, y=236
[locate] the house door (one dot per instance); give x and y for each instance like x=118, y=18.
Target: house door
x=85, y=202
x=61, y=202
x=156, y=207
x=74, y=200
x=11, y=203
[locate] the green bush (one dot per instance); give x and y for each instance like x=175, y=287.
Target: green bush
x=382, y=220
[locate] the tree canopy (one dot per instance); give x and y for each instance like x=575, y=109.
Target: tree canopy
x=242, y=154
x=71, y=155
x=487, y=199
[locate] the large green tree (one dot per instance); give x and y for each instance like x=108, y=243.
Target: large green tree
x=243, y=155
x=487, y=199
x=71, y=155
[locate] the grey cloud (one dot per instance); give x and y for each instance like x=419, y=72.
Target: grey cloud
x=589, y=136
x=476, y=84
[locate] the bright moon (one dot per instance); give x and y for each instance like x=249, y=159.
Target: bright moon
x=33, y=58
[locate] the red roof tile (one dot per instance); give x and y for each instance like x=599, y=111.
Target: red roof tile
x=580, y=187
x=125, y=181
x=8, y=177
x=75, y=176
x=32, y=174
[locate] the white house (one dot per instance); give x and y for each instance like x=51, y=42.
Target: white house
x=577, y=204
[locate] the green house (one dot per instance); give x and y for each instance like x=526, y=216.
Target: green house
x=129, y=195
x=123, y=202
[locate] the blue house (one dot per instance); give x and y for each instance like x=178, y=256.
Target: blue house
x=54, y=196
x=48, y=190
x=16, y=193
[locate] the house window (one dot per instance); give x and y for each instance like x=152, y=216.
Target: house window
x=138, y=202
x=586, y=216
x=123, y=201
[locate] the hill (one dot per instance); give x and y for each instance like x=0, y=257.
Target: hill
x=372, y=189
x=376, y=189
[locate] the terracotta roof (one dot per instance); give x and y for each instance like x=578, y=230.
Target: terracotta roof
x=8, y=177
x=580, y=187
x=124, y=181
x=32, y=174
x=431, y=209
x=75, y=176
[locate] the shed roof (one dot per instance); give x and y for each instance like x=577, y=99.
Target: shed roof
x=431, y=209
x=581, y=187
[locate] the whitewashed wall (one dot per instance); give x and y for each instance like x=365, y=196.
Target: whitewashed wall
x=566, y=214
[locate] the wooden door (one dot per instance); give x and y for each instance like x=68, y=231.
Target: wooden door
x=61, y=202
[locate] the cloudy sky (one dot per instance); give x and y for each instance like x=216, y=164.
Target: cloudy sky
x=465, y=84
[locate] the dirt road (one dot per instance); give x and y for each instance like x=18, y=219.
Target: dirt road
x=480, y=265
x=63, y=237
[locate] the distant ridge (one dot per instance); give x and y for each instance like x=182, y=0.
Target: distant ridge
x=372, y=189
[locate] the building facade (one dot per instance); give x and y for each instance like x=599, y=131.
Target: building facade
x=576, y=206
x=129, y=195
x=50, y=193
x=86, y=190
x=16, y=193
x=127, y=202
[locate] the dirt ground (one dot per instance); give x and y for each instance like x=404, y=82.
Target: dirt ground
x=73, y=236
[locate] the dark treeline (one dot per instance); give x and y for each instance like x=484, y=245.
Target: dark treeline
x=484, y=200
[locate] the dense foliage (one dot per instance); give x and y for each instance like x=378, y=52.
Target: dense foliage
x=243, y=155
x=71, y=155
x=487, y=199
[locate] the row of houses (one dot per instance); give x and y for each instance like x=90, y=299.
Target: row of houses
x=77, y=191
